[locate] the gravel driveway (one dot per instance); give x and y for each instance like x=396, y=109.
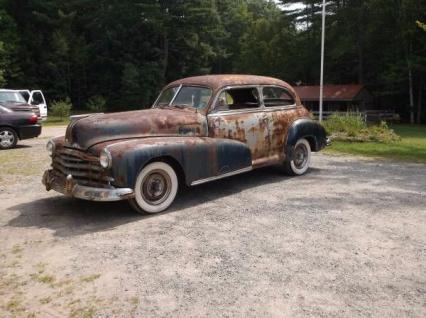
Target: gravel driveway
x=345, y=240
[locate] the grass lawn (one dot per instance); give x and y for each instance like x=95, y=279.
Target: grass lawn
x=412, y=147
x=55, y=121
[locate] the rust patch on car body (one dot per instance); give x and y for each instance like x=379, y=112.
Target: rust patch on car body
x=88, y=131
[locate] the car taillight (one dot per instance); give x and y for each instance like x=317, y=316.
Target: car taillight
x=33, y=119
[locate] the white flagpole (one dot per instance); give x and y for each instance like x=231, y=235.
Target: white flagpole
x=322, y=61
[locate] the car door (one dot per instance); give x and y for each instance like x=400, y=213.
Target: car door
x=281, y=110
x=37, y=99
x=238, y=114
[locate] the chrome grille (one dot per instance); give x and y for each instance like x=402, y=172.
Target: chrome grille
x=85, y=169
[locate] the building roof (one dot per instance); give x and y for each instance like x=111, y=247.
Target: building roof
x=331, y=92
x=219, y=81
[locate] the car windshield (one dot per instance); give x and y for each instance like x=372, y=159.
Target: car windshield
x=185, y=96
x=13, y=97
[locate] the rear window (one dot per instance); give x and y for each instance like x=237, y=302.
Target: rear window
x=11, y=97
x=277, y=96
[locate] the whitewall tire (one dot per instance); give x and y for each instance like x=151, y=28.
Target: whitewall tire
x=155, y=189
x=301, y=159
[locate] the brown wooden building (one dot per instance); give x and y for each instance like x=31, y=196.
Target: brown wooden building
x=352, y=97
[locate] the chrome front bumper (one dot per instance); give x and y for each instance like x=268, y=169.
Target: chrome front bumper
x=70, y=188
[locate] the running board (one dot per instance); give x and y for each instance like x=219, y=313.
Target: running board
x=229, y=174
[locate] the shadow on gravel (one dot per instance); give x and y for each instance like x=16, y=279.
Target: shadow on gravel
x=18, y=146
x=70, y=217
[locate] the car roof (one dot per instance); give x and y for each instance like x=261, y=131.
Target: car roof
x=218, y=81
x=12, y=90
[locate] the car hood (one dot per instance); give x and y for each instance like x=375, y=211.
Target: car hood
x=88, y=131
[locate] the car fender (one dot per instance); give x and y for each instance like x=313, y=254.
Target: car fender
x=307, y=128
x=199, y=158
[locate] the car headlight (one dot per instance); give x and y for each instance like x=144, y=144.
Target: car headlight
x=50, y=147
x=105, y=159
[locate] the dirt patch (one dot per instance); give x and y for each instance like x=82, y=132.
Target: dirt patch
x=347, y=239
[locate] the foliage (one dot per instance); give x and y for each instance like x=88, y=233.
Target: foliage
x=2, y=64
x=352, y=127
x=96, y=103
x=61, y=108
x=126, y=51
x=350, y=124
x=421, y=25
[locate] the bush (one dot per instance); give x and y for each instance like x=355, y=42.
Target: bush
x=61, y=108
x=97, y=104
x=352, y=127
x=349, y=124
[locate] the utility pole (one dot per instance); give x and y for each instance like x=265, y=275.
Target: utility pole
x=322, y=61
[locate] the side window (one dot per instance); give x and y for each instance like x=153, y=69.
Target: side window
x=238, y=98
x=277, y=96
x=25, y=95
x=37, y=99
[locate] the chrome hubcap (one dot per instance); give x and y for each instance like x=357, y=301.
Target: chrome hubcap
x=6, y=139
x=156, y=187
x=300, y=156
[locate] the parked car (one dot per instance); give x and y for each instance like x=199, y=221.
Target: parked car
x=13, y=100
x=199, y=129
x=35, y=98
x=17, y=125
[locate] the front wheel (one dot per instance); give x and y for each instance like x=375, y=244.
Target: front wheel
x=8, y=138
x=155, y=189
x=301, y=159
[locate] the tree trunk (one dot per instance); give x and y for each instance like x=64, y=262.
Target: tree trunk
x=410, y=88
x=419, y=103
x=165, y=54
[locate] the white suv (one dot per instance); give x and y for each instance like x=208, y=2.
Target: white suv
x=35, y=98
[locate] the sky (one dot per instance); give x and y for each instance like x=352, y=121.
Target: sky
x=292, y=6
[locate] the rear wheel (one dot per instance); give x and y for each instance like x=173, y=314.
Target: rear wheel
x=8, y=138
x=301, y=159
x=155, y=189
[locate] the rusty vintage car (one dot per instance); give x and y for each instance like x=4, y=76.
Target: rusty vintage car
x=199, y=129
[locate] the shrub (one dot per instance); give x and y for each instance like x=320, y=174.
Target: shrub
x=352, y=127
x=350, y=124
x=61, y=108
x=96, y=103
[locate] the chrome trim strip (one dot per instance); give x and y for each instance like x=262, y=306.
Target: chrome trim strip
x=284, y=107
x=229, y=174
x=236, y=112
